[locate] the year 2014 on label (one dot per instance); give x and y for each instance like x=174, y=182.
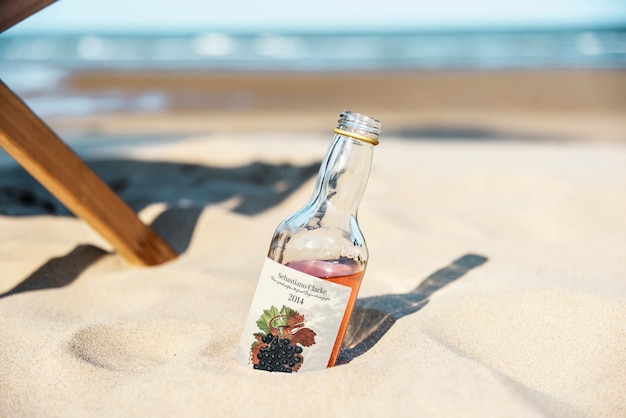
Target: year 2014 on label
x=293, y=321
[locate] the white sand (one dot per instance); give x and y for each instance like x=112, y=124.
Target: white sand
x=538, y=330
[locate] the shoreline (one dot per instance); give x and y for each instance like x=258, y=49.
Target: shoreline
x=559, y=104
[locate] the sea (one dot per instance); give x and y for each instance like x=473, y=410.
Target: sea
x=580, y=48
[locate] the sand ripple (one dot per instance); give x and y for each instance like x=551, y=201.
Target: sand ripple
x=137, y=345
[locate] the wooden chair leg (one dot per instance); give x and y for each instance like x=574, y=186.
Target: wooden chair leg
x=14, y=11
x=49, y=160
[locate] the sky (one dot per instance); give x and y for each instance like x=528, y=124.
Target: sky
x=183, y=16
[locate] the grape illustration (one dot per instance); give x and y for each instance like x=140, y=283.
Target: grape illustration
x=279, y=345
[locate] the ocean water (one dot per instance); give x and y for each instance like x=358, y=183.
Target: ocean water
x=310, y=52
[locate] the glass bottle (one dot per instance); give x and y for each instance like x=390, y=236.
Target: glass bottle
x=323, y=241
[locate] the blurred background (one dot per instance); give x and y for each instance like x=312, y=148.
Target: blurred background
x=450, y=69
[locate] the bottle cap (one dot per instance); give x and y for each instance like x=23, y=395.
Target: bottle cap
x=358, y=126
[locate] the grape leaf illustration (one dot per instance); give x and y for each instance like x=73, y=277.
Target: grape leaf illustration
x=294, y=319
x=304, y=336
x=257, y=345
x=264, y=321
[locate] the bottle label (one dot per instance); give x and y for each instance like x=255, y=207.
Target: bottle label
x=293, y=322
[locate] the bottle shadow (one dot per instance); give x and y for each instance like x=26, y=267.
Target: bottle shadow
x=374, y=316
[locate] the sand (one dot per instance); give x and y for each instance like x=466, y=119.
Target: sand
x=526, y=318
x=533, y=104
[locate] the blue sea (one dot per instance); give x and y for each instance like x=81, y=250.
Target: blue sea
x=584, y=48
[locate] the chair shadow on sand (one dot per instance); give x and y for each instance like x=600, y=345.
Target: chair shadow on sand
x=374, y=316
x=184, y=189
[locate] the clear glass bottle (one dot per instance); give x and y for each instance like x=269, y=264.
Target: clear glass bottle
x=323, y=238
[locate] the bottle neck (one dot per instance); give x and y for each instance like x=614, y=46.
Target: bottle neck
x=343, y=175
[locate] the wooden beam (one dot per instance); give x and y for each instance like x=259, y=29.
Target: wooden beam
x=14, y=11
x=49, y=160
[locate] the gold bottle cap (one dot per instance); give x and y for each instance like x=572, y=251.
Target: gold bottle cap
x=358, y=126
x=356, y=136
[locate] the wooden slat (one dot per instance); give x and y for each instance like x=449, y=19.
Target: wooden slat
x=48, y=159
x=14, y=11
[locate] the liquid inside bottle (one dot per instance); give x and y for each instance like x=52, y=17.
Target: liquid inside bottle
x=321, y=241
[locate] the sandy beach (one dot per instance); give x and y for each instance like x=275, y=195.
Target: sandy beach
x=522, y=104
x=494, y=216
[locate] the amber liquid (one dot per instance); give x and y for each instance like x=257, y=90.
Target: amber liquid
x=346, y=274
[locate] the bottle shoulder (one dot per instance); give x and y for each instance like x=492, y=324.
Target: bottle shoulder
x=318, y=240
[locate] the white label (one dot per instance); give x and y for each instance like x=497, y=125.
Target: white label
x=290, y=305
